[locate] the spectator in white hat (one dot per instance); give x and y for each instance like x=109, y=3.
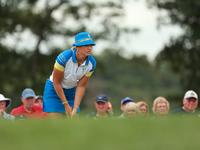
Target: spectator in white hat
x=190, y=102
x=4, y=104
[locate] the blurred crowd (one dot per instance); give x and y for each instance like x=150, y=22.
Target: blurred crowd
x=32, y=107
x=131, y=109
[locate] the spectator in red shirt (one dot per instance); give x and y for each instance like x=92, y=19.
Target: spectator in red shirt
x=28, y=107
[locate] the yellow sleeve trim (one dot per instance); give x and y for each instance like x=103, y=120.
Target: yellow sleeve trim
x=59, y=67
x=88, y=74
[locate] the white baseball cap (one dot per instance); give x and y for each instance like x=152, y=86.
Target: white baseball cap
x=8, y=100
x=190, y=94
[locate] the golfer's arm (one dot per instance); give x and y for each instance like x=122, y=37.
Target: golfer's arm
x=57, y=78
x=80, y=90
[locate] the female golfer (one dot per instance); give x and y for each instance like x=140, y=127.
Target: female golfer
x=72, y=70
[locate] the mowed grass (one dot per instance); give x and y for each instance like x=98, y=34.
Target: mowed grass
x=113, y=134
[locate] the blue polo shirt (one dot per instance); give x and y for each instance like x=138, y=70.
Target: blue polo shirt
x=66, y=62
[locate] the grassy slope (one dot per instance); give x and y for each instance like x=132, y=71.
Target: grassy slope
x=141, y=134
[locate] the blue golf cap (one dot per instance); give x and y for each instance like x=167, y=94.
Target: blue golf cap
x=28, y=93
x=126, y=99
x=83, y=38
x=101, y=98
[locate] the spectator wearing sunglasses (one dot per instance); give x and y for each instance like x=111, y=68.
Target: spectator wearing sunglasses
x=124, y=101
x=101, y=105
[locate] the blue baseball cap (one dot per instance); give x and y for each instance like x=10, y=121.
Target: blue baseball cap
x=126, y=99
x=101, y=98
x=83, y=38
x=28, y=93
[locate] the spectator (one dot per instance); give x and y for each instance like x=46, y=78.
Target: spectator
x=39, y=100
x=124, y=101
x=110, y=110
x=28, y=107
x=131, y=110
x=144, y=109
x=160, y=106
x=101, y=104
x=190, y=102
x=4, y=104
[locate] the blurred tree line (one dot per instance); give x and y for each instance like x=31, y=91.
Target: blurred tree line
x=117, y=77
x=182, y=54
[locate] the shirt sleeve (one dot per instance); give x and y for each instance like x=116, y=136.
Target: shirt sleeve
x=93, y=61
x=88, y=74
x=59, y=67
x=62, y=59
x=60, y=62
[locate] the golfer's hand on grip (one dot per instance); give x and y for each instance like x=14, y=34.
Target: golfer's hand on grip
x=68, y=110
x=73, y=114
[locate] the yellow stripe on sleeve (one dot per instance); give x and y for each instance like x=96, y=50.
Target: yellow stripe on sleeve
x=59, y=67
x=88, y=74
